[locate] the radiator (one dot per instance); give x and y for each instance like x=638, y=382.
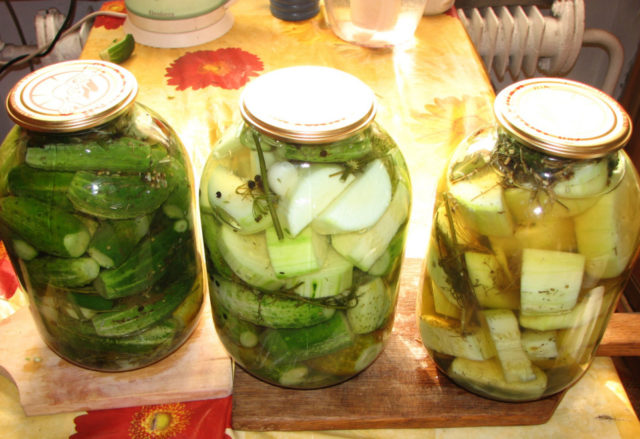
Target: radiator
x=529, y=41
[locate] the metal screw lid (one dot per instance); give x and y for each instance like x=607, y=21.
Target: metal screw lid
x=563, y=118
x=71, y=96
x=308, y=104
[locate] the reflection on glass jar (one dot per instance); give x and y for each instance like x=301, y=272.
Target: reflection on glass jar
x=533, y=235
x=96, y=213
x=304, y=207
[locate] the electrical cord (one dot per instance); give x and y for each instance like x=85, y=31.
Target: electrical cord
x=26, y=58
x=48, y=48
x=16, y=23
x=63, y=31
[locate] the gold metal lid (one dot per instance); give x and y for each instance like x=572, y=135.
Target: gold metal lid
x=308, y=104
x=563, y=117
x=71, y=96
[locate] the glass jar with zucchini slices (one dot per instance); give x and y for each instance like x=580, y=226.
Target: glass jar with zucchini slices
x=96, y=212
x=304, y=206
x=534, y=232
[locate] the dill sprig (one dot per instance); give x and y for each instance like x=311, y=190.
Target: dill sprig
x=265, y=185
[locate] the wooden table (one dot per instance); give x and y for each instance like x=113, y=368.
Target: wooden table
x=431, y=92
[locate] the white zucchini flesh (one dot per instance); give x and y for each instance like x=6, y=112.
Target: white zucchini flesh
x=248, y=257
x=444, y=336
x=364, y=248
x=607, y=233
x=488, y=282
x=539, y=345
x=505, y=333
x=360, y=206
x=481, y=202
x=586, y=310
x=588, y=179
x=550, y=281
x=222, y=193
x=317, y=185
x=486, y=376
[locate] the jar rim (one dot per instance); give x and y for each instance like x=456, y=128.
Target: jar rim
x=563, y=117
x=308, y=104
x=71, y=96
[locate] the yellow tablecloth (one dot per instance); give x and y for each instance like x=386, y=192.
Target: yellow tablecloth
x=431, y=93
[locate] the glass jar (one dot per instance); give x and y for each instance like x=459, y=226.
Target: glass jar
x=534, y=232
x=96, y=213
x=304, y=206
x=375, y=23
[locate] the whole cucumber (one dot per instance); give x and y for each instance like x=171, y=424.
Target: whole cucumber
x=118, y=196
x=137, y=318
x=124, y=154
x=63, y=272
x=266, y=309
x=47, y=186
x=45, y=227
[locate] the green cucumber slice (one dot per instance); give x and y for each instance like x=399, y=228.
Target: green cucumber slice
x=297, y=256
x=333, y=278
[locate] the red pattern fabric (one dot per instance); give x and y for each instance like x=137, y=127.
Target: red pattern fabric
x=110, y=22
x=8, y=278
x=181, y=420
x=228, y=68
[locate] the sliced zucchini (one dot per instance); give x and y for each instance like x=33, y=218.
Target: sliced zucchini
x=488, y=281
x=316, y=187
x=333, y=278
x=486, y=377
x=231, y=204
x=586, y=310
x=445, y=336
x=365, y=248
x=550, y=281
x=297, y=256
x=505, y=333
x=248, y=257
x=607, y=233
x=360, y=206
x=481, y=202
x=539, y=345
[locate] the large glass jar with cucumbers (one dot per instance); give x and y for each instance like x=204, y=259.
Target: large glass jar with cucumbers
x=96, y=213
x=304, y=206
x=534, y=232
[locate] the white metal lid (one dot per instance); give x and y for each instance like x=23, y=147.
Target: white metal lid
x=308, y=104
x=71, y=96
x=563, y=117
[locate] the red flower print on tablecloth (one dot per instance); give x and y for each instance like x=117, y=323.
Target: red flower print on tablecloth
x=8, y=279
x=110, y=22
x=229, y=68
x=194, y=420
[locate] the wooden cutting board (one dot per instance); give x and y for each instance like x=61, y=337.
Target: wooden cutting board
x=47, y=384
x=402, y=388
